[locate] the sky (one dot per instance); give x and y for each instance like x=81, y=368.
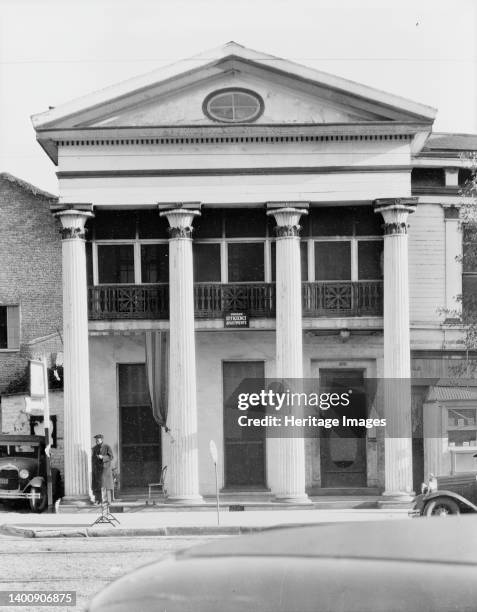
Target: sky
x=52, y=51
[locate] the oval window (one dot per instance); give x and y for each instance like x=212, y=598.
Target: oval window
x=233, y=105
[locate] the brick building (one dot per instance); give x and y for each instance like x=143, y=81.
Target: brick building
x=31, y=318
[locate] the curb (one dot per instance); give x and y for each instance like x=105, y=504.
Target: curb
x=91, y=532
x=118, y=507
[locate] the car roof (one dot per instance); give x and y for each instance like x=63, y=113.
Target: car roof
x=450, y=540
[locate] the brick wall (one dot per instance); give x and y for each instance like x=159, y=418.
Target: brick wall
x=30, y=272
x=14, y=419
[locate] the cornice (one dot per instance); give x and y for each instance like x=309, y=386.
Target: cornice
x=51, y=139
x=364, y=128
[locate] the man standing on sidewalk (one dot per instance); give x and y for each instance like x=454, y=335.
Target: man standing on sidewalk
x=102, y=471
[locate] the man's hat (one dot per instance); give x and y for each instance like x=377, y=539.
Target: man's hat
x=98, y=436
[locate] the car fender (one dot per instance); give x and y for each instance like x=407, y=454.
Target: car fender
x=37, y=481
x=419, y=503
x=450, y=494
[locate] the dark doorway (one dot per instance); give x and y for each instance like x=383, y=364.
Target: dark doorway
x=140, y=435
x=244, y=447
x=343, y=449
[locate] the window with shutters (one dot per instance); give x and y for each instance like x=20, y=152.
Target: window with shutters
x=9, y=327
x=469, y=272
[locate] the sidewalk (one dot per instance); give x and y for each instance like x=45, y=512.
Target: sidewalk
x=153, y=523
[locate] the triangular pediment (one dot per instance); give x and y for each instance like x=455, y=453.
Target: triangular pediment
x=291, y=94
x=284, y=101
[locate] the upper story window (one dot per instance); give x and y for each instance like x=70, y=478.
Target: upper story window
x=338, y=244
x=9, y=327
x=469, y=270
x=233, y=105
x=469, y=248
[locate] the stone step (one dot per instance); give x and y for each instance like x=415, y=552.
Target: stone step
x=236, y=505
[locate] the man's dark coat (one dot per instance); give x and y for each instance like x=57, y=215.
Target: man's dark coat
x=102, y=470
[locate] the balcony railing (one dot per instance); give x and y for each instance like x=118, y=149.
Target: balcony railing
x=213, y=300
x=107, y=302
x=342, y=299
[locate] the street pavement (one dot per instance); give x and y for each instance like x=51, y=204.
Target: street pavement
x=137, y=523
x=183, y=523
x=87, y=564
x=82, y=565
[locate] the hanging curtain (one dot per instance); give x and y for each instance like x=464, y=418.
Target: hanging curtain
x=157, y=370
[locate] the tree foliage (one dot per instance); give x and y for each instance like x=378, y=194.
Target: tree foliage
x=466, y=316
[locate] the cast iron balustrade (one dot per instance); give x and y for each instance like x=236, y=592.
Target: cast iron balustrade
x=213, y=300
x=128, y=302
x=342, y=299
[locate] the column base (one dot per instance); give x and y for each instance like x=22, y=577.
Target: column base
x=81, y=501
x=396, y=499
x=185, y=500
x=292, y=499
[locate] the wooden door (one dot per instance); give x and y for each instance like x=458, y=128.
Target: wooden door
x=140, y=435
x=343, y=449
x=244, y=447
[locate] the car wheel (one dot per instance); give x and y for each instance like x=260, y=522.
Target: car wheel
x=441, y=507
x=39, y=504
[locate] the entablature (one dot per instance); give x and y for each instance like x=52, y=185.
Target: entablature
x=51, y=139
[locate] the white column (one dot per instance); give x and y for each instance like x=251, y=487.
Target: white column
x=397, y=352
x=453, y=233
x=77, y=419
x=289, y=477
x=183, y=468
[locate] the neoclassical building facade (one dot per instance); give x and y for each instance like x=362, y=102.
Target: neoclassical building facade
x=239, y=183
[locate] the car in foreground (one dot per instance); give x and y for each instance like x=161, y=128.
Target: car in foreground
x=430, y=566
x=445, y=495
x=23, y=472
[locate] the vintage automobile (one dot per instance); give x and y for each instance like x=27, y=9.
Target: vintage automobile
x=372, y=566
x=23, y=472
x=444, y=495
